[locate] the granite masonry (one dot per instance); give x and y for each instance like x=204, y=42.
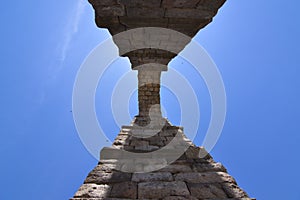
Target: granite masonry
x=181, y=170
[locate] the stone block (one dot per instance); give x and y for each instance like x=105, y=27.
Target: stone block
x=190, y=21
x=147, y=148
x=162, y=189
x=124, y=190
x=108, y=167
x=121, y=142
x=145, y=12
x=207, y=191
x=113, y=30
x=208, y=167
x=105, y=22
x=104, y=2
x=212, y=4
x=139, y=142
x=104, y=177
x=207, y=177
x=156, y=176
x=189, y=13
x=180, y=198
x=108, y=153
x=168, y=133
x=93, y=191
x=184, y=27
x=176, y=168
x=233, y=191
x=179, y=3
x=197, y=152
x=110, y=11
x=156, y=141
x=141, y=4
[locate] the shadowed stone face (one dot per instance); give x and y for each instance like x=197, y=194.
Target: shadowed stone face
x=185, y=16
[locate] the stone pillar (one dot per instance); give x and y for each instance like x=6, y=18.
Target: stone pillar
x=149, y=94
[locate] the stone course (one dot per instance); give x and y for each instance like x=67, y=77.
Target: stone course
x=188, y=177
x=185, y=16
x=154, y=13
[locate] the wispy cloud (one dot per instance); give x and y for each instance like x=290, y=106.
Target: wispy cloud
x=72, y=27
x=55, y=66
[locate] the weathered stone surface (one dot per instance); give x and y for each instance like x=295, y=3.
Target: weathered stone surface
x=106, y=168
x=208, y=177
x=194, y=175
x=185, y=178
x=142, y=12
x=208, y=167
x=109, y=11
x=213, y=4
x=135, y=22
x=187, y=26
x=180, y=198
x=106, y=21
x=104, y=177
x=174, y=168
x=189, y=13
x=233, y=191
x=141, y=4
x=156, y=141
x=104, y=2
x=139, y=143
x=122, y=140
x=121, y=15
x=147, y=177
x=93, y=190
x=179, y=3
x=162, y=189
x=147, y=148
x=206, y=191
x=124, y=190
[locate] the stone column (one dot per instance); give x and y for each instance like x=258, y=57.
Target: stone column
x=149, y=95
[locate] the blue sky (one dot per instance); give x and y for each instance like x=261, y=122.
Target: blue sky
x=255, y=45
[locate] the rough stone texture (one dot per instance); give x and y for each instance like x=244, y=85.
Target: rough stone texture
x=93, y=190
x=207, y=191
x=95, y=177
x=189, y=177
x=207, y=177
x=124, y=190
x=194, y=174
x=159, y=189
x=233, y=191
x=185, y=16
x=147, y=177
x=149, y=96
x=161, y=10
